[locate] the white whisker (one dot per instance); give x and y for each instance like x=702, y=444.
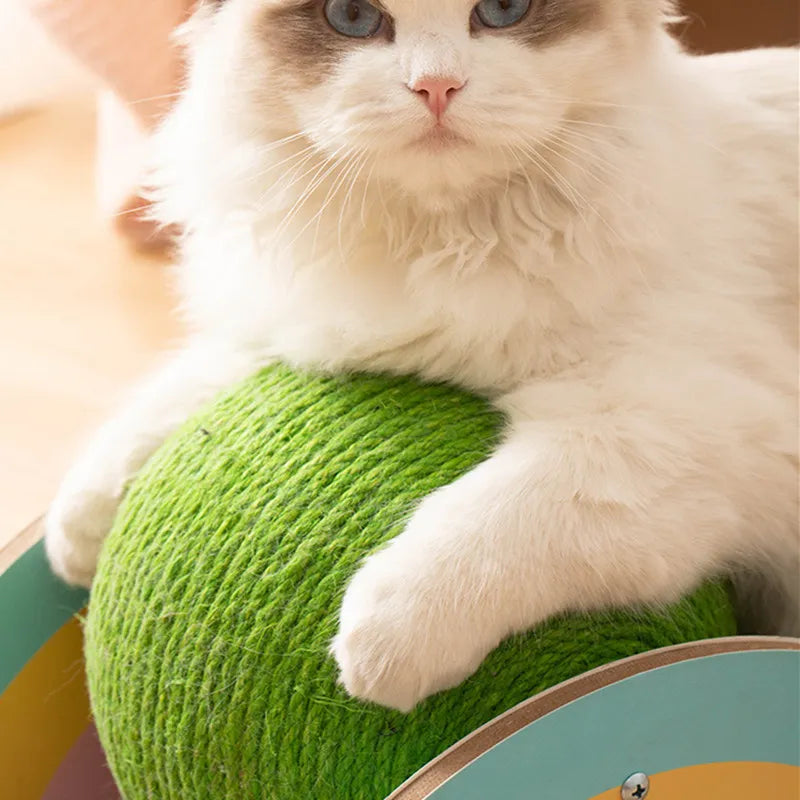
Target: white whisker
x=351, y=159
x=346, y=205
x=324, y=171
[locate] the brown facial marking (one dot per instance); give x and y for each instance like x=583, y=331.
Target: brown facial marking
x=299, y=37
x=548, y=21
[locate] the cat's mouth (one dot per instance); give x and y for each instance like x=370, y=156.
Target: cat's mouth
x=439, y=138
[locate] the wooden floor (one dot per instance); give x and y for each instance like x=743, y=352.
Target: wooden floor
x=81, y=316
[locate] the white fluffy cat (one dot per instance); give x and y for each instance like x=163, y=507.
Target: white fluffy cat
x=544, y=201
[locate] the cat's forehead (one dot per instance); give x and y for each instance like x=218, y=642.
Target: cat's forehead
x=546, y=19
x=446, y=9
x=396, y=8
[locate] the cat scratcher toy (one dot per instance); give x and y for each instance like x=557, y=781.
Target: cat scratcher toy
x=715, y=719
x=216, y=599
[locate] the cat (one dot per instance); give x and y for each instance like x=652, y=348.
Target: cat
x=547, y=202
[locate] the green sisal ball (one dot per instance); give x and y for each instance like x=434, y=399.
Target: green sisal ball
x=218, y=590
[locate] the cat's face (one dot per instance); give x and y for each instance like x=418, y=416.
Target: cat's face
x=435, y=96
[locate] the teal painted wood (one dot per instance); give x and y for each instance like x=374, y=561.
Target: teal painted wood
x=728, y=707
x=34, y=604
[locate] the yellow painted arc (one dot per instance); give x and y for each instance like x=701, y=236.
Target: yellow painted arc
x=43, y=711
x=735, y=780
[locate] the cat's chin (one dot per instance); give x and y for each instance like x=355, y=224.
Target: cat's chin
x=442, y=200
x=438, y=140
x=440, y=196
x=440, y=176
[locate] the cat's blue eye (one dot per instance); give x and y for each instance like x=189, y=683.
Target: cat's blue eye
x=357, y=18
x=501, y=13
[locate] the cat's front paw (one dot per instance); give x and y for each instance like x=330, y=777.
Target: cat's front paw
x=401, y=637
x=76, y=525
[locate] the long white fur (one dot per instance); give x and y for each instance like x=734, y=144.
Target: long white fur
x=612, y=260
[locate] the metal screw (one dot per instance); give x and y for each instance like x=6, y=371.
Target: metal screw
x=636, y=787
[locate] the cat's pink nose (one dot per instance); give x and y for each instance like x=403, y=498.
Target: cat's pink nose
x=437, y=92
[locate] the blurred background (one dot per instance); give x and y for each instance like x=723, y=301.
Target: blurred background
x=85, y=294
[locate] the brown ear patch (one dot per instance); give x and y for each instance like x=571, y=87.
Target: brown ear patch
x=548, y=21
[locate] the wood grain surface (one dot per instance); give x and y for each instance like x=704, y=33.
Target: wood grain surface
x=81, y=315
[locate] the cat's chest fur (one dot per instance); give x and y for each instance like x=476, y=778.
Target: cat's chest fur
x=488, y=331
x=487, y=309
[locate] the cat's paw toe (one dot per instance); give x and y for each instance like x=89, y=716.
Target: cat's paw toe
x=72, y=563
x=75, y=528
x=374, y=667
x=394, y=646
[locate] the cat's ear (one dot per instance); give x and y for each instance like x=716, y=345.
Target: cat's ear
x=647, y=13
x=670, y=11
x=199, y=13
x=671, y=17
